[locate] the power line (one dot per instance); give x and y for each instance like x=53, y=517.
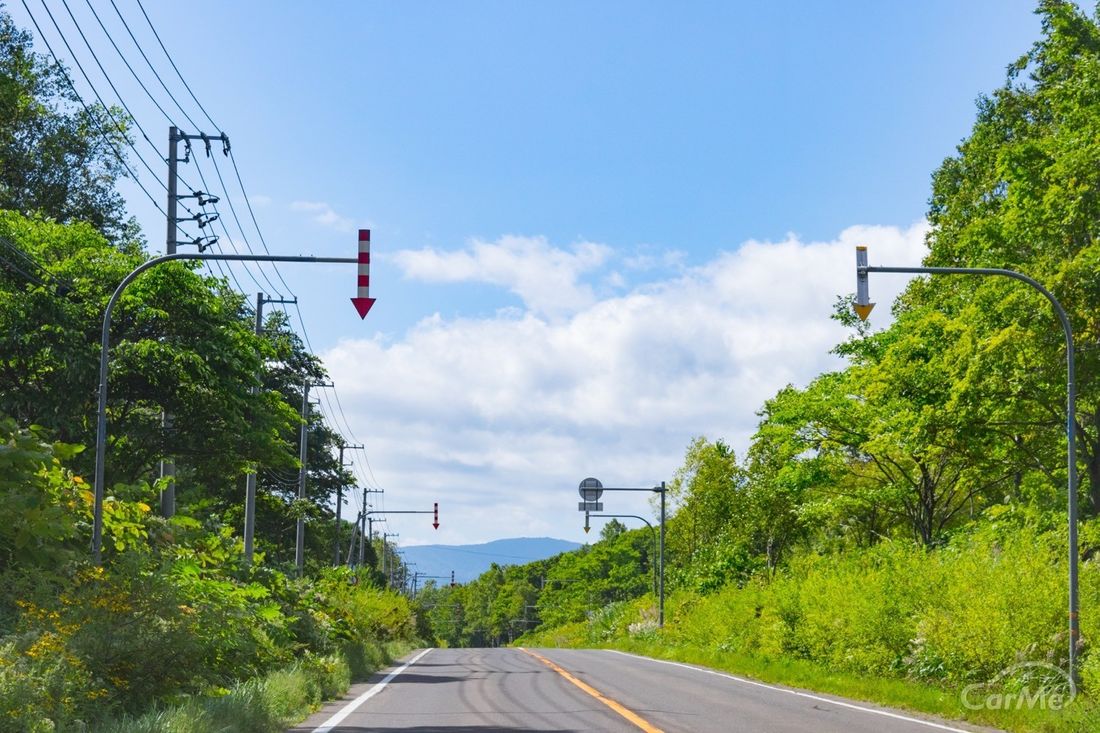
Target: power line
x=153, y=68
x=175, y=101
x=221, y=222
x=106, y=76
x=39, y=274
x=125, y=61
x=225, y=191
x=256, y=224
x=91, y=115
x=160, y=79
x=174, y=67
x=95, y=91
x=244, y=237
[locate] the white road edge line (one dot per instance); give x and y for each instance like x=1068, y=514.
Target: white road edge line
x=829, y=700
x=348, y=709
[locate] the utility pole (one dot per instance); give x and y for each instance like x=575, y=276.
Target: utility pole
x=300, y=535
x=167, y=464
x=351, y=545
x=340, y=501
x=385, y=561
x=173, y=200
x=250, y=479
x=365, y=521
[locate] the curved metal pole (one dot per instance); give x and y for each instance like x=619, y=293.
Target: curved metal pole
x=1071, y=423
x=662, y=490
x=101, y=415
x=652, y=530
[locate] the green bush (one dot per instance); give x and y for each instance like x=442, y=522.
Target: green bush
x=169, y=617
x=264, y=705
x=992, y=598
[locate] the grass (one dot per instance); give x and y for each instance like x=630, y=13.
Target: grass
x=269, y=704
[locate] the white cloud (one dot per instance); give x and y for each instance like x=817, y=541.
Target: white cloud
x=646, y=258
x=499, y=418
x=546, y=278
x=324, y=215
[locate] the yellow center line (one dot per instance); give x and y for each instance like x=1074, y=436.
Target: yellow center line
x=617, y=707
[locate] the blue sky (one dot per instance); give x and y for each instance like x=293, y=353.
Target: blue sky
x=599, y=228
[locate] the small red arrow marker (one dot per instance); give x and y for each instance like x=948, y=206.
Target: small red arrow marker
x=435, y=523
x=363, y=301
x=362, y=305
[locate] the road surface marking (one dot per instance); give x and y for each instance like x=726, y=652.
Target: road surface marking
x=618, y=708
x=348, y=709
x=829, y=700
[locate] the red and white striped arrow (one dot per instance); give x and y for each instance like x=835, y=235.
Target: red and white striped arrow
x=363, y=301
x=435, y=523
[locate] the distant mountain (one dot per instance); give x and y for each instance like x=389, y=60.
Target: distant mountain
x=470, y=561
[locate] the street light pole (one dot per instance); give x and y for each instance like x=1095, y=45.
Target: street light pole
x=104, y=344
x=590, y=491
x=863, y=309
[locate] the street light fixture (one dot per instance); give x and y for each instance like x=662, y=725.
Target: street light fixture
x=591, y=489
x=863, y=308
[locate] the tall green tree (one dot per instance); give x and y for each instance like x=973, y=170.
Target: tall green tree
x=58, y=157
x=1023, y=192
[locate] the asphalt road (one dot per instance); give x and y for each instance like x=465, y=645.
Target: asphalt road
x=460, y=690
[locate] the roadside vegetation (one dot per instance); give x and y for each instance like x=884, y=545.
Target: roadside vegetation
x=174, y=630
x=896, y=529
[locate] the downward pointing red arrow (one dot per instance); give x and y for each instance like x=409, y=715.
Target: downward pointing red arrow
x=362, y=305
x=363, y=301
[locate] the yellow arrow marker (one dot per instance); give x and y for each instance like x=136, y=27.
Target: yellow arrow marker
x=622, y=710
x=863, y=310
x=586, y=530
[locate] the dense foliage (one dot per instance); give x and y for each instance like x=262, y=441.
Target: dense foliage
x=58, y=157
x=900, y=518
x=174, y=612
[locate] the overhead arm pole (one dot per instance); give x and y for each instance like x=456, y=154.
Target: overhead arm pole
x=590, y=492
x=862, y=269
x=401, y=511
x=101, y=413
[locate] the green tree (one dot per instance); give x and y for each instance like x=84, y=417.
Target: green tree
x=179, y=342
x=611, y=530
x=57, y=157
x=1023, y=192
